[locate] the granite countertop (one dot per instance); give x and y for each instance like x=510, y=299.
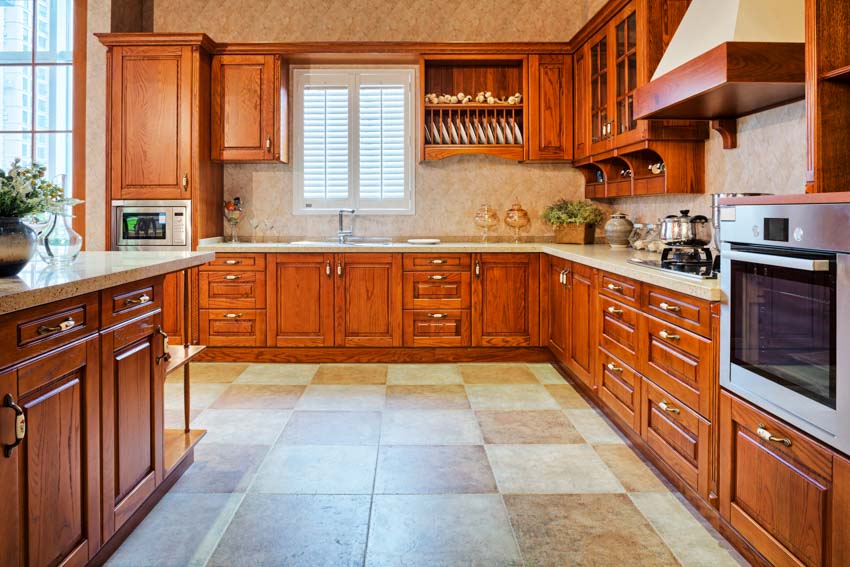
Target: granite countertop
x=40, y=283
x=599, y=256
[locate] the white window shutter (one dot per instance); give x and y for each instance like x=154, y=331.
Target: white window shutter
x=382, y=142
x=325, y=139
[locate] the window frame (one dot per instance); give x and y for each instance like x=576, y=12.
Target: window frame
x=352, y=77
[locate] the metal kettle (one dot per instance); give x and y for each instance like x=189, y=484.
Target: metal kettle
x=686, y=231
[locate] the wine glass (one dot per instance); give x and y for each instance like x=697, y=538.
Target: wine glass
x=233, y=216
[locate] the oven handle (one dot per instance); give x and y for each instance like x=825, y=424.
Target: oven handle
x=804, y=264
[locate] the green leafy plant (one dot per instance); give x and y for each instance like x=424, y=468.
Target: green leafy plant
x=564, y=211
x=25, y=191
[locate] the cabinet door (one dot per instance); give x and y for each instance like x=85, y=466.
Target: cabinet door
x=10, y=504
x=151, y=114
x=554, y=286
x=368, y=300
x=505, y=300
x=59, y=457
x=581, y=329
x=245, y=107
x=301, y=300
x=625, y=64
x=601, y=121
x=172, y=306
x=581, y=113
x=550, y=106
x=132, y=423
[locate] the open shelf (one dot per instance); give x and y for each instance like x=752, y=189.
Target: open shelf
x=472, y=106
x=177, y=444
x=181, y=356
x=842, y=74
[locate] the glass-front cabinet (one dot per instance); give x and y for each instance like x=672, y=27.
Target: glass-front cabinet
x=601, y=127
x=625, y=55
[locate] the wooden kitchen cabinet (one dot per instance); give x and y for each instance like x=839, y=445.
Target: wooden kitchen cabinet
x=788, y=496
x=150, y=136
x=368, y=299
x=582, y=301
x=555, y=309
x=132, y=378
x=550, y=104
x=301, y=300
x=581, y=101
x=505, y=300
x=51, y=490
x=248, y=108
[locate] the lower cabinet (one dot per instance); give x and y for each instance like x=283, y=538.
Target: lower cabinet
x=786, y=494
x=50, y=505
x=301, y=300
x=582, y=299
x=554, y=288
x=505, y=300
x=368, y=300
x=619, y=388
x=132, y=376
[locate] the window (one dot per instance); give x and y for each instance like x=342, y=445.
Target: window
x=354, y=139
x=36, y=56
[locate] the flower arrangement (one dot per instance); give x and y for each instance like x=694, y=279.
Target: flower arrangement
x=574, y=221
x=25, y=191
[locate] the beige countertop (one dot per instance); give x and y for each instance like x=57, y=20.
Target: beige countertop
x=599, y=256
x=40, y=283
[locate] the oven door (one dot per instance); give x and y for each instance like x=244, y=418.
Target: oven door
x=784, y=313
x=144, y=226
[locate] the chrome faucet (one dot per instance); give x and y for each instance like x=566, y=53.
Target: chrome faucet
x=341, y=233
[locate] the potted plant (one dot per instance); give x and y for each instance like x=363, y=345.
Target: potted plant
x=24, y=193
x=574, y=221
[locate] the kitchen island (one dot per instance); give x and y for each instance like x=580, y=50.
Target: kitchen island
x=83, y=363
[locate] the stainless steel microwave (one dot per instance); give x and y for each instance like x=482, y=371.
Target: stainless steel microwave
x=152, y=225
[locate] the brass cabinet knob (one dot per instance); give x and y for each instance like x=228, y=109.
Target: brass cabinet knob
x=614, y=368
x=615, y=287
x=614, y=311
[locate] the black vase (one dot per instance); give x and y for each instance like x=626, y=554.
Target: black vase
x=17, y=245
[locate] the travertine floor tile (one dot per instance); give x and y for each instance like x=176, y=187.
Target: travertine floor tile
x=332, y=428
x=512, y=397
x=221, y=468
x=343, y=398
x=467, y=529
x=412, y=374
x=593, y=427
x=546, y=373
x=293, y=374
x=584, y=530
x=351, y=374
x=497, y=374
x=210, y=372
x=317, y=469
x=255, y=427
x=461, y=469
x=452, y=396
x=432, y=427
x=517, y=427
x=259, y=396
x=550, y=469
x=567, y=396
x=201, y=396
x=174, y=418
x=632, y=472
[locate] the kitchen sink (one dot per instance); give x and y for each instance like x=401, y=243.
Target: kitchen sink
x=365, y=241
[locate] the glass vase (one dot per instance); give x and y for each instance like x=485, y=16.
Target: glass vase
x=58, y=243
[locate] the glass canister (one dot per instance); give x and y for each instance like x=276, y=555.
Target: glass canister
x=636, y=237
x=653, y=239
x=486, y=218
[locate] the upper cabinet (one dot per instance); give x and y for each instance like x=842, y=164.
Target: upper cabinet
x=550, y=103
x=248, y=108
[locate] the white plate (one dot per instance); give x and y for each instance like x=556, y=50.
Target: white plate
x=446, y=138
x=427, y=135
x=517, y=133
x=472, y=137
x=500, y=136
x=479, y=131
x=424, y=241
x=490, y=138
x=464, y=139
x=455, y=139
x=435, y=134
x=509, y=137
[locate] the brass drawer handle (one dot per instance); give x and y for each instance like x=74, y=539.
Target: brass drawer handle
x=615, y=287
x=138, y=301
x=478, y=268
x=768, y=436
x=68, y=323
x=232, y=315
x=435, y=277
x=269, y=144
x=328, y=268
x=185, y=182
x=668, y=307
x=614, y=311
x=665, y=406
x=166, y=356
x=614, y=368
x=668, y=336
x=437, y=261
x=20, y=425
x=438, y=315
x=339, y=269
x=232, y=277
x=232, y=262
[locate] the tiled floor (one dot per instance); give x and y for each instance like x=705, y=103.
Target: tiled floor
x=410, y=465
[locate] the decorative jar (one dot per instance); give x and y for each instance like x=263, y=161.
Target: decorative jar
x=617, y=230
x=17, y=245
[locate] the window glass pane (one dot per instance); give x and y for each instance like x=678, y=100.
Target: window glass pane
x=382, y=137
x=54, y=152
x=325, y=142
x=16, y=31
x=16, y=98
x=53, y=103
x=54, y=31
x=14, y=146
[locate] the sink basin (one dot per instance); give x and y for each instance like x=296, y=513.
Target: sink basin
x=313, y=243
x=364, y=241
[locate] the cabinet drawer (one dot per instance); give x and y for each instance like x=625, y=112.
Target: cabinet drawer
x=447, y=327
x=619, y=288
x=232, y=289
x=124, y=302
x=618, y=330
x=679, y=435
x=233, y=327
x=429, y=290
x=435, y=262
x=619, y=388
x=679, y=361
x=781, y=496
x=224, y=262
x=687, y=312
x=47, y=327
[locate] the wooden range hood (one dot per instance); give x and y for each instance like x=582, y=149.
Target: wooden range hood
x=728, y=59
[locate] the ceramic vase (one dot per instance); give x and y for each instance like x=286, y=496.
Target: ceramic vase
x=617, y=231
x=17, y=246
